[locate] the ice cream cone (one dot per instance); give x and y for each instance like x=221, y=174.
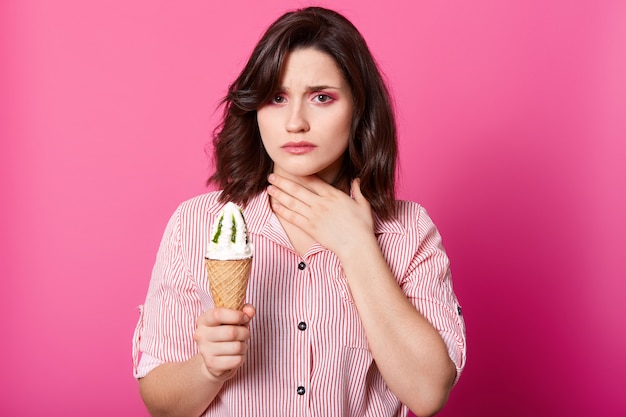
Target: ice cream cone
x=228, y=281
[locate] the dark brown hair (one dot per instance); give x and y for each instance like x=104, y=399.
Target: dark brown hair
x=241, y=162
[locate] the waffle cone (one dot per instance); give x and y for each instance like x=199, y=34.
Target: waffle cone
x=228, y=281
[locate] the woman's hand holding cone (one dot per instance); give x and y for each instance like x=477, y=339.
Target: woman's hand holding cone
x=222, y=335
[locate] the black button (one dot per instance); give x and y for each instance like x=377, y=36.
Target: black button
x=458, y=310
x=301, y=266
x=301, y=391
x=302, y=325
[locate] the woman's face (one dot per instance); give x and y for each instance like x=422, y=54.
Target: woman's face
x=305, y=128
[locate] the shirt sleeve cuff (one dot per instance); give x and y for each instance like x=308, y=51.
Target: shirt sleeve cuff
x=146, y=364
x=456, y=351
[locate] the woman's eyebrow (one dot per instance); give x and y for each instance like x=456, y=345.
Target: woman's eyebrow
x=321, y=87
x=310, y=89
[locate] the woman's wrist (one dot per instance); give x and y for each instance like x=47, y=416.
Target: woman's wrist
x=204, y=372
x=357, y=248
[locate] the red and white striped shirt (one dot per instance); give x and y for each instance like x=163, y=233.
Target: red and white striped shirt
x=308, y=354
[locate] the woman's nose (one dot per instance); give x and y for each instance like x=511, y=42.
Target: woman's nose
x=297, y=120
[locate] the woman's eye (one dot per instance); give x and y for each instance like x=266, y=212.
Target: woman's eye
x=322, y=98
x=278, y=99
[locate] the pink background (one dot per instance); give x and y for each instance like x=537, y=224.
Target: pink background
x=512, y=127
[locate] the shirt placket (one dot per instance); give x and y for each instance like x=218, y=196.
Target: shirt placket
x=302, y=341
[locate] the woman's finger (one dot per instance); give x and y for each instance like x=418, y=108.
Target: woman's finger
x=306, y=189
x=220, y=316
x=287, y=200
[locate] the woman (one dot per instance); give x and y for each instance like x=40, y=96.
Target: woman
x=351, y=309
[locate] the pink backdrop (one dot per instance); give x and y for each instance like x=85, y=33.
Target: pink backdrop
x=512, y=128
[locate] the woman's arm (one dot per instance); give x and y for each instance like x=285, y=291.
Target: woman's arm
x=188, y=388
x=409, y=352
x=179, y=389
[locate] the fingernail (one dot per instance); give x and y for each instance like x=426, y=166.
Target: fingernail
x=271, y=177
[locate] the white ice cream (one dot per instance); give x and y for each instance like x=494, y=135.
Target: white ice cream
x=229, y=236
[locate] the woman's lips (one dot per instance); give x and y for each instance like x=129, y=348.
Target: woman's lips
x=298, y=148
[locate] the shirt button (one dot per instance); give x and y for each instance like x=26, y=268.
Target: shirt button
x=301, y=266
x=302, y=325
x=301, y=390
x=458, y=310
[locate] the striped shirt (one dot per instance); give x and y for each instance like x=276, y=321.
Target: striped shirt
x=308, y=354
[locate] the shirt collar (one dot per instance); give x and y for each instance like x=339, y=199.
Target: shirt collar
x=258, y=212
x=392, y=226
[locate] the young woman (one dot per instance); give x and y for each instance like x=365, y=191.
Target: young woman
x=351, y=308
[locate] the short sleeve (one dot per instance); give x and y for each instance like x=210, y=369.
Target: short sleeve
x=167, y=319
x=428, y=284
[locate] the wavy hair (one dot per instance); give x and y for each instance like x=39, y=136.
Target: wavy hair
x=242, y=164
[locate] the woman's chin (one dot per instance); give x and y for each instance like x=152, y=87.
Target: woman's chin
x=299, y=172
